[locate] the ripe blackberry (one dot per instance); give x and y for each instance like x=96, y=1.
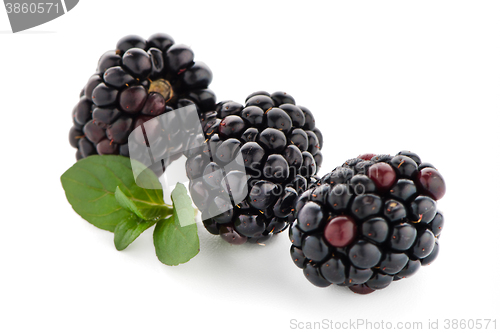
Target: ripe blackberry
x=257, y=159
x=134, y=83
x=369, y=222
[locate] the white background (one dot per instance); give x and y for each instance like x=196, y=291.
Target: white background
x=380, y=76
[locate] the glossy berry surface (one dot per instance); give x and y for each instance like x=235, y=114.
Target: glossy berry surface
x=364, y=254
x=383, y=175
x=257, y=160
x=134, y=83
x=231, y=127
x=369, y=222
x=340, y=231
x=431, y=182
x=315, y=248
x=311, y=217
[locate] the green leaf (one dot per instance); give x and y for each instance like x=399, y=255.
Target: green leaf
x=182, y=205
x=146, y=210
x=174, y=244
x=90, y=186
x=129, y=229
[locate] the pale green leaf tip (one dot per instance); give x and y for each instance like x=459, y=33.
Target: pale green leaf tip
x=179, y=187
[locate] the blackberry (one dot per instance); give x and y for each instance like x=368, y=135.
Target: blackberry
x=369, y=222
x=256, y=160
x=134, y=83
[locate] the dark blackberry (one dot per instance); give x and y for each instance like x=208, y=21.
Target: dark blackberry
x=311, y=217
x=410, y=269
x=230, y=235
x=312, y=273
x=295, y=235
x=437, y=223
x=139, y=80
x=298, y=256
x=107, y=147
x=424, y=244
x=339, y=197
x=271, y=141
x=433, y=255
x=308, y=168
x=74, y=136
x=284, y=205
x=250, y=225
x=403, y=236
x=369, y=222
x=364, y=254
x=375, y=229
x=320, y=193
x=315, y=248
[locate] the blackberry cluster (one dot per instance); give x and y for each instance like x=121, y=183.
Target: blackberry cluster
x=258, y=158
x=138, y=81
x=369, y=222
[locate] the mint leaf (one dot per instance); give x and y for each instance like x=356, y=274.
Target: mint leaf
x=90, y=186
x=129, y=229
x=174, y=244
x=146, y=210
x=183, y=205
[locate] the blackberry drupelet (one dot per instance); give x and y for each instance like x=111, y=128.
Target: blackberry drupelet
x=369, y=222
x=134, y=83
x=257, y=159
